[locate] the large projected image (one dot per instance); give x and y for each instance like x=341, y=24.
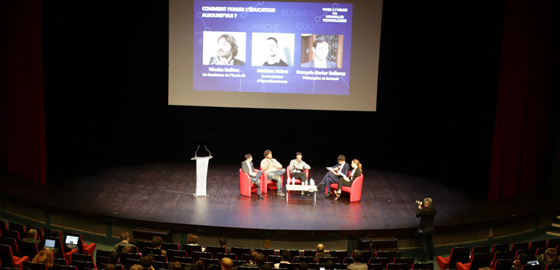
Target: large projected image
x=272, y=47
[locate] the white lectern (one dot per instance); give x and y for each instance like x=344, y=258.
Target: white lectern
x=201, y=172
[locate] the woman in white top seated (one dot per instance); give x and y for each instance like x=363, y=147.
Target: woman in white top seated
x=347, y=181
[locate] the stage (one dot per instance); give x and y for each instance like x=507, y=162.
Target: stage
x=160, y=196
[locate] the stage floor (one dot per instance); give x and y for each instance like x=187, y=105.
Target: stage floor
x=163, y=193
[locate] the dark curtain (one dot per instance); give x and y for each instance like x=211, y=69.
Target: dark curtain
x=21, y=81
x=526, y=81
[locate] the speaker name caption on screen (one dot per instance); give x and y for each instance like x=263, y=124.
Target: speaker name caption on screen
x=272, y=75
x=320, y=75
x=223, y=72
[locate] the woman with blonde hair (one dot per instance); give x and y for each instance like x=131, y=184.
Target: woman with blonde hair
x=44, y=256
x=347, y=181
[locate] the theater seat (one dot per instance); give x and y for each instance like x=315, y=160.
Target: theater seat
x=9, y=260
x=478, y=260
x=265, y=182
x=458, y=254
x=246, y=187
x=355, y=190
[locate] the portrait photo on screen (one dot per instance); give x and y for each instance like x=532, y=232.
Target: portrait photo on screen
x=273, y=49
x=224, y=48
x=321, y=51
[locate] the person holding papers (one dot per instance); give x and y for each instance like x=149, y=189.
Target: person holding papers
x=347, y=181
x=335, y=172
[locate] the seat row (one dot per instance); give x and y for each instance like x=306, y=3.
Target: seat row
x=497, y=257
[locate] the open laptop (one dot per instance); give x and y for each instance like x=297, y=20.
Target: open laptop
x=72, y=241
x=50, y=243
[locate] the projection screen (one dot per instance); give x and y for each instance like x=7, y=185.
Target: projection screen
x=311, y=55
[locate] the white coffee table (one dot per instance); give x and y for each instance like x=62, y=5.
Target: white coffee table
x=307, y=188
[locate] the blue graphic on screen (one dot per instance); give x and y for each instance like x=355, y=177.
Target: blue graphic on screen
x=272, y=47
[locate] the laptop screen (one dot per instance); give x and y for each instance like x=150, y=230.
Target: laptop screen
x=50, y=243
x=72, y=241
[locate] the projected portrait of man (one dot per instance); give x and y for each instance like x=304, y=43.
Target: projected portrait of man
x=320, y=51
x=226, y=52
x=273, y=59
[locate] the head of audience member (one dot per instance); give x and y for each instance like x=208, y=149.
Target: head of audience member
x=550, y=254
x=259, y=259
x=254, y=256
x=136, y=267
x=199, y=265
x=128, y=250
x=44, y=256
x=109, y=266
x=222, y=242
x=114, y=257
x=249, y=157
x=56, y=233
x=341, y=159
x=320, y=49
x=267, y=153
x=320, y=248
x=227, y=46
x=266, y=266
x=303, y=266
x=522, y=259
x=32, y=233
x=286, y=256
x=356, y=164
x=147, y=261
x=190, y=266
x=176, y=266
x=227, y=263
x=357, y=256
x=157, y=242
x=192, y=239
x=329, y=264
x=125, y=236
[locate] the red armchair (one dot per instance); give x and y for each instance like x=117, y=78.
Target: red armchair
x=246, y=186
x=289, y=175
x=355, y=190
x=265, y=182
x=458, y=254
x=9, y=260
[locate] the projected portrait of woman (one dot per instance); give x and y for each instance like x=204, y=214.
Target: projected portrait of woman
x=226, y=51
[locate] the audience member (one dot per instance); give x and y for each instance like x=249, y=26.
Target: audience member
x=303, y=266
x=136, y=267
x=128, y=249
x=329, y=265
x=286, y=255
x=259, y=260
x=157, y=242
x=320, y=252
x=522, y=259
x=192, y=240
x=358, y=264
x=175, y=266
x=222, y=242
x=147, y=262
x=44, y=256
x=109, y=266
x=199, y=265
x=266, y=266
x=251, y=262
x=33, y=238
x=125, y=238
x=227, y=264
x=549, y=257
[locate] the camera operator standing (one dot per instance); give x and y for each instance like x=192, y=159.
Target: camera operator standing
x=426, y=212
